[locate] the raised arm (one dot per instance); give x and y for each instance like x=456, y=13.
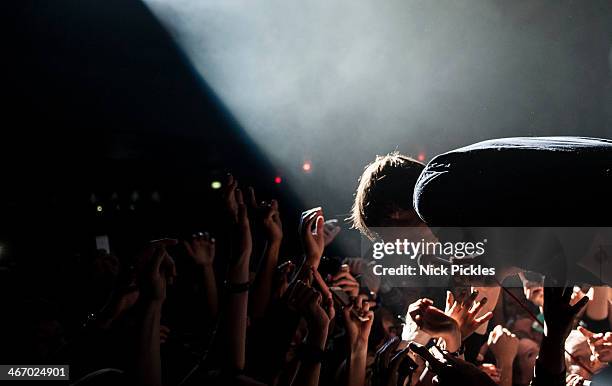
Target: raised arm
x=237, y=283
x=201, y=248
x=158, y=273
x=261, y=293
x=559, y=316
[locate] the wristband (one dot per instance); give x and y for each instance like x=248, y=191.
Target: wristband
x=237, y=288
x=459, y=352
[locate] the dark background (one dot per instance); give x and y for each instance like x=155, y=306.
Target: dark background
x=100, y=102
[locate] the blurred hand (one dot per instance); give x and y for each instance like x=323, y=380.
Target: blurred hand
x=451, y=371
x=201, y=248
x=359, y=266
x=164, y=332
x=574, y=380
x=244, y=228
x=358, y=331
x=464, y=310
x=387, y=363
x=533, y=291
x=331, y=229
x=312, y=239
x=229, y=197
x=281, y=279
x=239, y=270
x=559, y=315
x=159, y=270
x=600, y=344
x=307, y=302
x=436, y=323
x=503, y=344
x=346, y=281
x=268, y=212
x=492, y=371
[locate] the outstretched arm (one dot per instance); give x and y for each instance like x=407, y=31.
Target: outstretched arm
x=559, y=316
x=158, y=273
x=261, y=293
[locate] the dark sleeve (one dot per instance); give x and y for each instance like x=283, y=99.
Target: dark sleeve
x=596, y=326
x=472, y=344
x=544, y=378
x=269, y=340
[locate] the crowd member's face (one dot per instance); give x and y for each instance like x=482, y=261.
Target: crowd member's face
x=527, y=354
x=534, y=292
x=405, y=224
x=403, y=218
x=525, y=327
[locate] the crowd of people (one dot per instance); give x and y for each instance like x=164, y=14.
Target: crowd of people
x=226, y=307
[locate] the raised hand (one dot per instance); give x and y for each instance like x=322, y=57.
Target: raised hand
x=229, y=197
x=268, y=212
x=492, y=371
x=559, y=314
x=574, y=380
x=436, y=323
x=308, y=302
x=281, y=279
x=159, y=270
x=313, y=239
x=600, y=344
x=358, y=331
x=243, y=229
x=389, y=363
x=503, y=344
x=164, y=333
x=359, y=266
x=201, y=248
x=451, y=371
x=346, y=281
x=464, y=310
x=331, y=229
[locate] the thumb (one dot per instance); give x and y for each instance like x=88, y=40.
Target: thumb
x=320, y=226
x=588, y=334
x=450, y=299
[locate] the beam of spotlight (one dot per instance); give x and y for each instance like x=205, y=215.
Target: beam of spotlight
x=341, y=81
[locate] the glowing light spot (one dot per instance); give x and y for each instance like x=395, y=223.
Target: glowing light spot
x=215, y=185
x=99, y=208
x=278, y=180
x=421, y=156
x=307, y=166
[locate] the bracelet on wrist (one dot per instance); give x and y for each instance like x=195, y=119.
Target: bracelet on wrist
x=236, y=288
x=459, y=352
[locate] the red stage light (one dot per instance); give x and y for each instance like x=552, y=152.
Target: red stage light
x=278, y=180
x=421, y=156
